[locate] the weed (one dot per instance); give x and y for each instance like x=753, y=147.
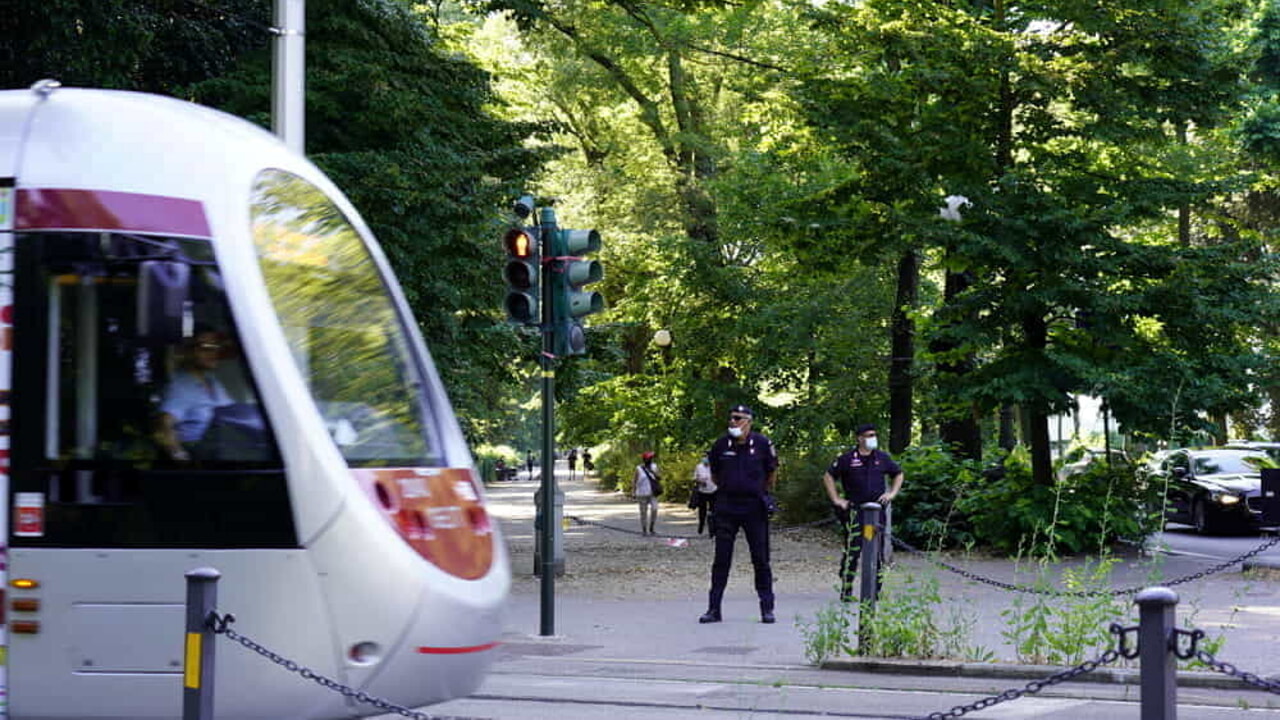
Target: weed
x=828, y=635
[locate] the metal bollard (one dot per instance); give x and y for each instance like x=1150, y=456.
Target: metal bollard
x=870, y=572
x=870, y=561
x=197, y=673
x=1157, y=620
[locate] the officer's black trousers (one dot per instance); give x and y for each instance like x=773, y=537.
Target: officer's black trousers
x=754, y=523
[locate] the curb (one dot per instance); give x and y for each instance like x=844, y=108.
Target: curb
x=943, y=668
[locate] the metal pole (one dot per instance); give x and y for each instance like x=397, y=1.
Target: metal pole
x=288, y=74
x=869, y=570
x=547, y=223
x=197, y=673
x=1156, y=622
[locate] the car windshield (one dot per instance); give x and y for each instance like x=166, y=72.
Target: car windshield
x=1227, y=462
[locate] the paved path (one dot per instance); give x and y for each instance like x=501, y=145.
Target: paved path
x=637, y=598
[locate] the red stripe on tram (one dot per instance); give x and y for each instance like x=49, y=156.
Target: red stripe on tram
x=457, y=650
x=109, y=210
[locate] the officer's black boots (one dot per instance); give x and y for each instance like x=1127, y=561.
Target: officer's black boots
x=710, y=616
x=766, y=617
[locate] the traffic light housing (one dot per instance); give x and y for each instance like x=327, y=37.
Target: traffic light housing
x=522, y=273
x=571, y=301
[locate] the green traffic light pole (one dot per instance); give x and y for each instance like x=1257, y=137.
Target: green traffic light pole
x=547, y=233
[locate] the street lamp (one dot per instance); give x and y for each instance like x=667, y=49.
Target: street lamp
x=662, y=338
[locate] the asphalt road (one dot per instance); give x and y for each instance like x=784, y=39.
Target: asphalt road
x=1183, y=540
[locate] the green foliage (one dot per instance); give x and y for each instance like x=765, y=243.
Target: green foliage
x=147, y=45
x=1061, y=629
x=926, y=513
x=1085, y=512
x=800, y=491
x=906, y=623
x=827, y=636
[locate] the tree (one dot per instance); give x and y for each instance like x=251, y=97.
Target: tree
x=1065, y=128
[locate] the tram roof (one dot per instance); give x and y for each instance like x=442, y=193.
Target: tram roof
x=116, y=145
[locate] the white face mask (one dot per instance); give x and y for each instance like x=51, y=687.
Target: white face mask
x=872, y=443
x=735, y=432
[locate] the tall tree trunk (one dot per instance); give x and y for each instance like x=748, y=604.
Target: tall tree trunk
x=1041, y=455
x=903, y=350
x=1036, y=335
x=1008, y=439
x=959, y=432
x=1219, y=428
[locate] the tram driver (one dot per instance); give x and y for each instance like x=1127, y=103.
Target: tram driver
x=192, y=396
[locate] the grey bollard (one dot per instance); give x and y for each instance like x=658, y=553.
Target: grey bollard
x=872, y=538
x=197, y=671
x=1157, y=619
x=869, y=571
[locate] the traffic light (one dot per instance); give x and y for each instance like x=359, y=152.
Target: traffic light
x=571, y=301
x=521, y=274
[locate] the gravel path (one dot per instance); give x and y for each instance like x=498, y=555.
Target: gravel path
x=608, y=562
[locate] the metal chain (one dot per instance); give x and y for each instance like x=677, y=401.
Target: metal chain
x=219, y=625
x=1030, y=688
x=777, y=528
x=1085, y=593
x=1230, y=670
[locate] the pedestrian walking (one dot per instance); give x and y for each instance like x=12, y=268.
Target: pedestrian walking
x=587, y=464
x=703, y=497
x=528, y=461
x=647, y=486
x=573, y=461
x=744, y=466
x=861, y=475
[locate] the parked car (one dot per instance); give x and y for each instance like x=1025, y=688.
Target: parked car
x=1216, y=490
x=1080, y=459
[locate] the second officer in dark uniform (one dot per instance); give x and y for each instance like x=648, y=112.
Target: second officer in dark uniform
x=744, y=467
x=861, y=473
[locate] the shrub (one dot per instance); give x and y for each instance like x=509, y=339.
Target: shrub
x=1083, y=512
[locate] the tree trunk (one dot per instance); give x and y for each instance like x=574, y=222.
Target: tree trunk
x=1041, y=455
x=1219, y=428
x=1036, y=335
x=1008, y=439
x=903, y=350
x=959, y=432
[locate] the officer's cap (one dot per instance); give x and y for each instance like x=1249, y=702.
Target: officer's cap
x=741, y=410
x=864, y=428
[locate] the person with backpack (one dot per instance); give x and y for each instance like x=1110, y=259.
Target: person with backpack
x=646, y=487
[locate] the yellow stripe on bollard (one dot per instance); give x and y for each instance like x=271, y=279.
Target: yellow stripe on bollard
x=191, y=674
x=869, y=531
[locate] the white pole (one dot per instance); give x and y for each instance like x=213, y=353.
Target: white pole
x=288, y=78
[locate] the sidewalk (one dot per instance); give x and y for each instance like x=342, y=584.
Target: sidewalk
x=624, y=596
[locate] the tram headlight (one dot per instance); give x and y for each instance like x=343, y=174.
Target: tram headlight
x=365, y=653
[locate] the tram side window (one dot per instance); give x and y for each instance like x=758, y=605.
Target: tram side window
x=137, y=431
x=345, y=332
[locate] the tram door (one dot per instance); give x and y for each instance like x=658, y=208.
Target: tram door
x=138, y=434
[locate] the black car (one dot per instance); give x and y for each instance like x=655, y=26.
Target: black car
x=1217, y=490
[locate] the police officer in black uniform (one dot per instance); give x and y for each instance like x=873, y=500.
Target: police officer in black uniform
x=744, y=467
x=861, y=473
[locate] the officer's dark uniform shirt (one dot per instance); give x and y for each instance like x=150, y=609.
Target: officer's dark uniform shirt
x=742, y=470
x=863, y=476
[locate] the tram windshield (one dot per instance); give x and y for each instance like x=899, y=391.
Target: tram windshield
x=343, y=328
x=136, y=420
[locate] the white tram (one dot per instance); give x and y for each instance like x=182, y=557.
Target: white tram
x=153, y=251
